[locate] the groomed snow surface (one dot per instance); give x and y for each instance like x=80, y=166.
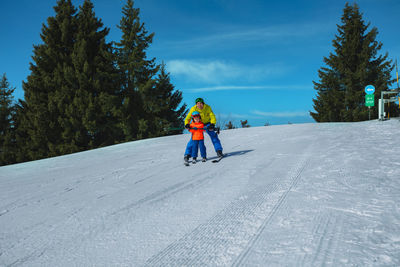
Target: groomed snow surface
x=290, y=195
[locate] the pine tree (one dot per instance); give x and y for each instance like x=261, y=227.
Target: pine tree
x=45, y=96
x=7, y=126
x=92, y=113
x=71, y=96
x=353, y=65
x=168, y=113
x=230, y=126
x=21, y=133
x=244, y=124
x=137, y=74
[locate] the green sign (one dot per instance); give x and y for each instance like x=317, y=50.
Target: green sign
x=369, y=100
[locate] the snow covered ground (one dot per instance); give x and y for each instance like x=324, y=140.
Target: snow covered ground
x=290, y=195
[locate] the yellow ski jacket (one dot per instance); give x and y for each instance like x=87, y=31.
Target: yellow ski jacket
x=207, y=115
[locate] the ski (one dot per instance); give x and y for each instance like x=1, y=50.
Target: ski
x=218, y=160
x=187, y=163
x=194, y=162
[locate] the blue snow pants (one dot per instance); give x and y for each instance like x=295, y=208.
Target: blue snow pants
x=214, y=139
x=195, y=148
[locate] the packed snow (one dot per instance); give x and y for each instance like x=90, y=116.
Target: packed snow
x=289, y=195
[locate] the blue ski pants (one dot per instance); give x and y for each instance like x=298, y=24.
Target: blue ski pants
x=195, y=148
x=214, y=139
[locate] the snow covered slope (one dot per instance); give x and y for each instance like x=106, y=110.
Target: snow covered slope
x=304, y=195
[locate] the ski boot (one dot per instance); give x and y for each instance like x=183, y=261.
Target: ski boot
x=186, y=158
x=204, y=160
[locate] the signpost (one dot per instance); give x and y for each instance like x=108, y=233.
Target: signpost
x=369, y=101
x=369, y=89
x=369, y=98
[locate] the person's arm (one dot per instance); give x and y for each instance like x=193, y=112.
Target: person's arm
x=213, y=120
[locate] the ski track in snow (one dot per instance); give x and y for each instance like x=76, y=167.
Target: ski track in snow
x=294, y=179
x=292, y=195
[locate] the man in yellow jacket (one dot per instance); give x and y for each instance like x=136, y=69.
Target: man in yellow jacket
x=209, y=120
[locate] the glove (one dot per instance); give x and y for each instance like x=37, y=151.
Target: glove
x=211, y=127
x=187, y=126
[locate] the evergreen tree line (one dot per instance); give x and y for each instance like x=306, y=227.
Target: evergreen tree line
x=352, y=66
x=84, y=92
x=230, y=125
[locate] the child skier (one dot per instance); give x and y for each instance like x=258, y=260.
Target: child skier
x=197, y=129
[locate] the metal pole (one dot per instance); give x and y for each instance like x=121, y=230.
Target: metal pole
x=383, y=107
x=369, y=113
x=397, y=75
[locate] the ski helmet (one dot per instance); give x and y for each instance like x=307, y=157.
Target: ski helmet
x=201, y=100
x=196, y=114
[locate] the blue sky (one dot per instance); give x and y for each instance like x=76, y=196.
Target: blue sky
x=252, y=59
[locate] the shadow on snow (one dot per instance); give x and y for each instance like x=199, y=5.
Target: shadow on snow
x=235, y=153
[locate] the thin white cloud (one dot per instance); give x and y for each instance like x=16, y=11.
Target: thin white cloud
x=282, y=114
x=250, y=87
x=219, y=72
x=210, y=71
x=269, y=34
x=233, y=116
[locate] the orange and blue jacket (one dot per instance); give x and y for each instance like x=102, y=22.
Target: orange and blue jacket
x=199, y=133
